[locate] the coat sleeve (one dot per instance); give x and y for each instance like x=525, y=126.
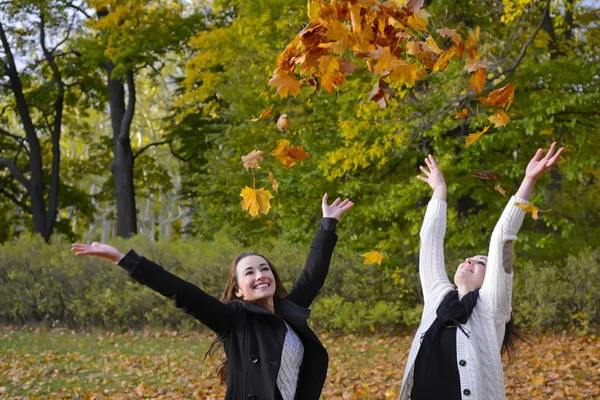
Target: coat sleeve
x=432, y=270
x=217, y=316
x=497, y=285
x=312, y=277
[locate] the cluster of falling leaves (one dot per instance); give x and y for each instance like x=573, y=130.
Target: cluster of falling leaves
x=254, y=200
x=171, y=365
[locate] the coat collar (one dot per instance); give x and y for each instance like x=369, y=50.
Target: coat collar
x=284, y=308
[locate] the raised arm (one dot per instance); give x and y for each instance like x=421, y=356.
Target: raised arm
x=217, y=316
x=497, y=285
x=312, y=277
x=432, y=270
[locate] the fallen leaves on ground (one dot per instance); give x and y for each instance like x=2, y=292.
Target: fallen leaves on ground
x=62, y=364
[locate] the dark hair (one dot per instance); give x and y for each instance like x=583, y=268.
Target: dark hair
x=512, y=335
x=229, y=294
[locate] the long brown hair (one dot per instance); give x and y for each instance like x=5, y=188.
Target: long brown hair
x=229, y=294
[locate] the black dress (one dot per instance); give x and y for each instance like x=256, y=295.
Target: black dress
x=437, y=377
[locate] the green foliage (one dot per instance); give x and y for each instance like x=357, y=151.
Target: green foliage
x=47, y=284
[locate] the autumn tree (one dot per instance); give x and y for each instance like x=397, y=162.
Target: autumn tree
x=37, y=86
x=126, y=37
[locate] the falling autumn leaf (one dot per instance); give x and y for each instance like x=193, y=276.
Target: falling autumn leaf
x=263, y=115
x=474, y=65
x=450, y=33
x=256, y=200
x=478, y=80
x=283, y=123
x=500, y=118
x=531, y=209
x=501, y=97
x=373, y=257
x=287, y=154
x=461, y=114
x=431, y=45
x=474, y=136
x=285, y=83
x=500, y=189
x=252, y=159
x=274, y=182
x=381, y=93
x=488, y=174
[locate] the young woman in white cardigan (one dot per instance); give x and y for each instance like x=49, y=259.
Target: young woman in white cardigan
x=456, y=353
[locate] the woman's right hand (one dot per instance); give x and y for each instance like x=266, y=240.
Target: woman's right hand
x=97, y=249
x=434, y=177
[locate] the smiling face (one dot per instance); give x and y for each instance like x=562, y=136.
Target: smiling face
x=471, y=272
x=255, y=279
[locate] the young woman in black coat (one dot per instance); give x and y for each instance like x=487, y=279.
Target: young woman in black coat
x=271, y=352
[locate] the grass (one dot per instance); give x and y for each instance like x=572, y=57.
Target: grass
x=59, y=364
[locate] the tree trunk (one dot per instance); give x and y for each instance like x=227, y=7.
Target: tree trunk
x=121, y=165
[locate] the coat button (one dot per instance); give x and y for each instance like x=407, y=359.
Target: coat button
x=462, y=363
x=252, y=397
x=253, y=361
x=466, y=392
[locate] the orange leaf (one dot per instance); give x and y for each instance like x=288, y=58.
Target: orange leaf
x=252, y=159
x=478, y=80
x=283, y=123
x=373, y=257
x=287, y=154
x=500, y=118
x=488, y=174
x=445, y=58
x=285, y=83
x=474, y=136
x=273, y=182
x=500, y=97
x=263, y=115
x=499, y=189
x=532, y=209
x=462, y=114
x=256, y=200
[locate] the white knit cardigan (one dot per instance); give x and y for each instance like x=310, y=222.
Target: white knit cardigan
x=478, y=356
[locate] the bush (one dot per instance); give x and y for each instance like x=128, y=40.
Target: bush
x=46, y=283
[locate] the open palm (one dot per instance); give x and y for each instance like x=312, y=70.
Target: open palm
x=97, y=249
x=538, y=165
x=433, y=176
x=337, y=208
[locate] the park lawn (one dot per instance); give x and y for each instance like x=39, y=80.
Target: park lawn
x=45, y=364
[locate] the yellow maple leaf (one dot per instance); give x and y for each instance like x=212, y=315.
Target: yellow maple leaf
x=285, y=83
x=431, y=45
x=474, y=136
x=500, y=118
x=405, y=72
x=445, y=58
x=532, y=209
x=314, y=8
x=478, y=80
x=373, y=257
x=256, y=200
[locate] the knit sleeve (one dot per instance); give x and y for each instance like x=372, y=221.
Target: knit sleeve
x=432, y=270
x=497, y=285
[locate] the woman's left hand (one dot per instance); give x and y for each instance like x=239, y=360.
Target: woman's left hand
x=337, y=208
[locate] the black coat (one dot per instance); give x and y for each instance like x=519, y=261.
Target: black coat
x=252, y=336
